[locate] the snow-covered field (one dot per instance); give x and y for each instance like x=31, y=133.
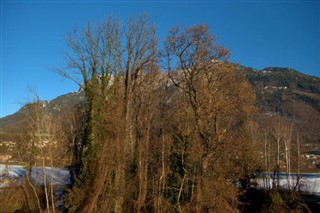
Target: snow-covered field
x=16, y=173
x=308, y=182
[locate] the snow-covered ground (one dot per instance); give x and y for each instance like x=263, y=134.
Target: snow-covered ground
x=16, y=173
x=308, y=182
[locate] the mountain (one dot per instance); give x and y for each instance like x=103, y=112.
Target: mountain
x=281, y=91
x=291, y=94
x=274, y=86
x=12, y=126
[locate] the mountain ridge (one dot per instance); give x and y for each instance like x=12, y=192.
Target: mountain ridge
x=279, y=90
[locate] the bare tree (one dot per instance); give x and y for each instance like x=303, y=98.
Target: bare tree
x=287, y=138
x=42, y=145
x=277, y=133
x=94, y=59
x=202, y=75
x=298, y=163
x=102, y=54
x=267, y=155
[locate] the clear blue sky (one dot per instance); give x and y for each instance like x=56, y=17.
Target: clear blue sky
x=259, y=33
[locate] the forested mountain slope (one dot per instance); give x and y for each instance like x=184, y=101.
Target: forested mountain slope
x=291, y=94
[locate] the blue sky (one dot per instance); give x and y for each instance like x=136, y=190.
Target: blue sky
x=258, y=33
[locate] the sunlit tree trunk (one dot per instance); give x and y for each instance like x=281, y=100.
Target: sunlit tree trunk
x=287, y=144
x=277, y=132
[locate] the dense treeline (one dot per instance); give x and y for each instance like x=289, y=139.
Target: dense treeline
x=166, y=125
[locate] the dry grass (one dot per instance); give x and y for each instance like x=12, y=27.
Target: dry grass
x=12, y=199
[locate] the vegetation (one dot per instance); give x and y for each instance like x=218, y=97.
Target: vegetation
x=161, y=128
x=154, y=141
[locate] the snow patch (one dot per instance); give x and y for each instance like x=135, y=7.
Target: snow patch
x=15, y=174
